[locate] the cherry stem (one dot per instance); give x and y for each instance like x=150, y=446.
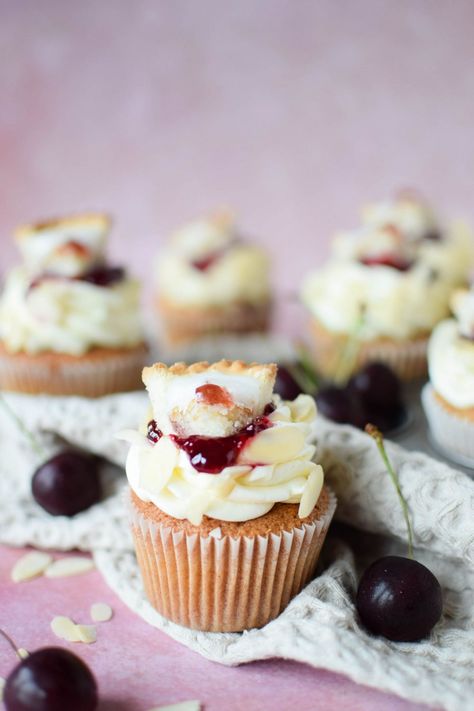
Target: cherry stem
x=35, y=445
x=378, y=438
x=11, y=643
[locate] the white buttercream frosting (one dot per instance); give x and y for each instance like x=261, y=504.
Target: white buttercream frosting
x=67, y=316
x=275, y=466
x=238, y=272
x=393, y=303
x=50, y=303
x=451, y=364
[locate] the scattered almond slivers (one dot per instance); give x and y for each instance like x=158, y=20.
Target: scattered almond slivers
x=311, y=491
x=65, y=628
x=31, y=565
x=66, y=567
x=181, y=706
x=101, y=612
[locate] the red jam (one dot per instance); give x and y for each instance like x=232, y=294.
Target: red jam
x=203, y=264
x=394, y=261
x=152, y=432
x=214, y=395
x=209, y=455
x=99, y=276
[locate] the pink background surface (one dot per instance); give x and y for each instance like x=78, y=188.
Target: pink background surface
x=292, y=113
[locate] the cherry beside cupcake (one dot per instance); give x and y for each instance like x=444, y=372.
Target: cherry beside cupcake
x=210, y=281
x=69, y=321
x=386, y=286
x=228, y=510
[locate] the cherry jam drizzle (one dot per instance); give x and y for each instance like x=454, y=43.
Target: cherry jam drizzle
x=210, y=455
x=99, y=276
x=388, y=260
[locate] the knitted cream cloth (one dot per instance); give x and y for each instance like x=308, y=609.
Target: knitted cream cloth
x=320, y=626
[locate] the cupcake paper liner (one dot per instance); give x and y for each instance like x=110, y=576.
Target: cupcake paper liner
x=225, y=584
x=99, y=372
x=453, y=433
x=181, y=323
x=407, y=358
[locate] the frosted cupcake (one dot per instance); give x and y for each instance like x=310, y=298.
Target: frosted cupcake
x=228, y=510
x=386, y=286
x=209, y=281
x=69, y=323
x=449, y=397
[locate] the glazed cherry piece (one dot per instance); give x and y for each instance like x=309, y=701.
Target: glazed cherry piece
x=399, y=598
x=286, y=385
x=67, y=483
x=51, y=679
x=340, y=405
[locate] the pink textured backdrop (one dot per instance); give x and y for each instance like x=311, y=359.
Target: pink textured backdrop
x=291, y=112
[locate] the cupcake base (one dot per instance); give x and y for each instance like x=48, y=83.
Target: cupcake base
x=182, y=324
x=225, y=576
x=407, y=358
x=451, y=428
x=100, y=371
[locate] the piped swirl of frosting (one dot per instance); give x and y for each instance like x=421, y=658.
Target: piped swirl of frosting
x=207, y=263
x=273, y=465
x=64, y=298
x=451, y=353
x=395, y=273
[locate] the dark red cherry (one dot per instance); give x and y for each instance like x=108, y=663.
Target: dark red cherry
x=399, y=598
x=377, y=385
x=285, y=384
x=67, y=483
x=395, y=261
x=51, y=679
x=341, y=405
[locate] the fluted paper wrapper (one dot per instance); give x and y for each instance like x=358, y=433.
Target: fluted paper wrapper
x=182, y=324
x=452, y=433
x=407, y=358
x=92, y=375
x=225, y=584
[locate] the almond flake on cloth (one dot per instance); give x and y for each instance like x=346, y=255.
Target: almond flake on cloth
x=320, y=626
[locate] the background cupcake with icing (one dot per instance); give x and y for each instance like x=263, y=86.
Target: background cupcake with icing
x=387, y=285
x=210, y=281
x=449, y=397
x=69, y=322
x=228, y=509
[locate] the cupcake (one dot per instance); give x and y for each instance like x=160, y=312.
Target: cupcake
x=69, y=322
x=448, y=399
x=386, y=286
x=228, y=510
x=210, y=281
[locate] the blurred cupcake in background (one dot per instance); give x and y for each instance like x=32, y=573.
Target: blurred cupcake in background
x=210, y=281
x=69, y=322
x=449, y=397
x=386, y=286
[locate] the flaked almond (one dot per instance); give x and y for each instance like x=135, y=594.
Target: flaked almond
x=65, y=628
x=101, y=612
x=181, y=706
x=30, y=566
x=87, y=633
x=67, y=567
